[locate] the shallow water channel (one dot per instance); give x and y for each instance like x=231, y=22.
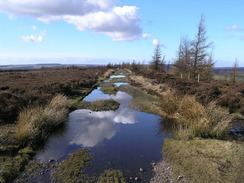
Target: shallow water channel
x=124, y=139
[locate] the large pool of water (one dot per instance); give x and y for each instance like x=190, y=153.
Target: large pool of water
x=124, y=139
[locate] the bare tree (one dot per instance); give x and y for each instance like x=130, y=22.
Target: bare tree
x=183, y=63
x=207, y=72
x=199, y=49
x=157, y=62
x=234, y=72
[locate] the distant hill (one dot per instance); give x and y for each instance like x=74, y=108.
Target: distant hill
x=222, y=70
x=38, y=66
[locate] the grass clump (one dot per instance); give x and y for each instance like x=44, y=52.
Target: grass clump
x=195, y=120
x=169, y=105
x=72, y=169
x=103, y=105
x=205, y=160
x=7, y=142
x=109, y=176
x=35, y=124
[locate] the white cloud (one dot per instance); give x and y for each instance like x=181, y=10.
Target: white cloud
x=39, y=39
x=99, y=16
x=34, y=27
x=155, y=42
x=234, y=28
x=45, y=8
x=146, y=36
x=158, y=43
x=121, y=23
x=33, y=38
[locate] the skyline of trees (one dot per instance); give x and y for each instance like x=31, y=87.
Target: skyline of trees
x=195, y=60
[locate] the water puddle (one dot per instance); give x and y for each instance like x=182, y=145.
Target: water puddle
x=117, y=76
x=124, y=139
x=119, y=84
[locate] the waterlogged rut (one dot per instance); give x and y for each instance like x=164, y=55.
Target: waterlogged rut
x=124, y=139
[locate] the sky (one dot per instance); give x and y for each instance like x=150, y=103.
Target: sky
x=102, y=31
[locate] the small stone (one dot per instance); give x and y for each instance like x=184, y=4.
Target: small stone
x=131, y=178
x=51, y=161
x=136, y=178
x=153, y=164
x=180, y=177
x=141, y=170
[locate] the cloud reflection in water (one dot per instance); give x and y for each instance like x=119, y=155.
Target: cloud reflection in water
x=87, y=128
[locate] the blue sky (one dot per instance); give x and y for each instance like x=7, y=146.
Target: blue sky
x=101, y=31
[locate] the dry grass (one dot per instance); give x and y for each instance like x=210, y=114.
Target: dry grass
x=169, y=105
x=149, y=85
x=36, y=123
x=194, y=119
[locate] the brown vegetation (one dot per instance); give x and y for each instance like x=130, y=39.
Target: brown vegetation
x=226, y=94
x=36, y=123
x=19, y=89
x=193, y=119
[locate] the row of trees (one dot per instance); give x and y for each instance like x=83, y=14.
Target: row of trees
x=194, y=59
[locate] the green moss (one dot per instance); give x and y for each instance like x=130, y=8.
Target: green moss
x=109, y=88
x=205, y=160
x=72, y=169
x=111, y=176
x=141, y=100
x=12, y=165
x=26, y=150
x=103, y=105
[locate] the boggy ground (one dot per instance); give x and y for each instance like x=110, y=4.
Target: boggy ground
x=72, y=169
x=188, y=158
x=37, y=119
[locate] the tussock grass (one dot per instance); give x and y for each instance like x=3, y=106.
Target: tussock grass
x=36, y=123
x=193, y=119
x=169, y=105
